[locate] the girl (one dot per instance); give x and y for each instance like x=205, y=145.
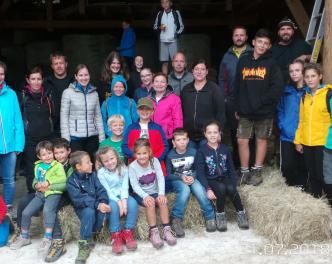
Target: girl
x=216, y=172
x=81, y=121
x=119, y=103
x=201, y=100
x=148, y=183
x=146, y=84
x=292, y=162
x=167, y=106
x=313, y=127
x=135, y=79
x=114, y=177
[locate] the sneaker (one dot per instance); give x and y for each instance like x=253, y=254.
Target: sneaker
x=256, y=177
x=20, y=242
x=168, y=236
x=56, y=250
x=128, y=238
x=210, y=225
x=244, y=178
x=83, y=252
x=14, y=235
x=221, y=221
x=242, y=220
x=155, y=238
x=117, y=243
x=177, y=227
x=44, y=247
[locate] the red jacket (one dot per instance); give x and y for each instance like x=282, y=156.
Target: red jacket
x=3, y=209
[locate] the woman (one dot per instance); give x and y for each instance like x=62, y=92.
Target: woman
x=202, y=101
x=12, y=137
x=38, y=113
x=146, y=84
x=81, y=122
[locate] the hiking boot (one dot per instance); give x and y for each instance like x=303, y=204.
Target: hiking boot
x=155, y=238
x=117, y=243
x=177, y=227
x=56, y=250
x=244, y=178
x=242, y=220
x=256, y=177
x=168, y=236
x=44, y=247
x=221, y=221
x=210, y=225
x=128, y=238
x=20, y=242
x=83, y=252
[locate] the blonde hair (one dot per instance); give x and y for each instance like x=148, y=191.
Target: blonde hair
x=115, y=118
x=104, y=150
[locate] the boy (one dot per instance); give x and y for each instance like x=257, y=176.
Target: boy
x=258, y=87
x=49, y=183
x=180, y=169
x=116, y=124
x=89, y=199
x=169, y=23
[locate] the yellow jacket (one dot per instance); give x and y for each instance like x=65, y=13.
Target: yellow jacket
x=314, y=119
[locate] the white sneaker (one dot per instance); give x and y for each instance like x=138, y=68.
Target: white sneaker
x=20, y=242
x=44, y=247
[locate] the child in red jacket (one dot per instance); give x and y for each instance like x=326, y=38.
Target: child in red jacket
x=4, y=223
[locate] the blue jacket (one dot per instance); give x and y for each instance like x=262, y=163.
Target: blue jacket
x=128, y=43
x=288, y=112
x=141, y=92
x=85, y=190
x=11, y=124
x=121, y=105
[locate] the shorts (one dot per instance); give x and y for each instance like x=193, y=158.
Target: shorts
x=327, y=166
x=139, y=199
x=167, y=50
x=262, y=129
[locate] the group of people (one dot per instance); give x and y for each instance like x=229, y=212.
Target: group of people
x=109, y=149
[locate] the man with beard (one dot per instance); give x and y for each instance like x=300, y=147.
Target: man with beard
x=288, y=48
x=226, y=80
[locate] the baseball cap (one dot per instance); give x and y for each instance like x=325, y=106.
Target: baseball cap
x=286, y=22
x=145, y=102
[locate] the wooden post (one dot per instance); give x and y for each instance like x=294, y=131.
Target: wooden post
x=327, y=51
x=299, y=14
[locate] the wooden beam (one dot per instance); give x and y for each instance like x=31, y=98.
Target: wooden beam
x=327, y=51
x=300, y=15
x=81, y=7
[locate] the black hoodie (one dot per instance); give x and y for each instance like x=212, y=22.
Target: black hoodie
x=258, y=86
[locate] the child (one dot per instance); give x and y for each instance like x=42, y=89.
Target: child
x=116, y=124
x=49, y=183
x=113, y=175
x=215, y=171
x=148, y=183
x=313, y=127
x=181, y=171
x=292, y=162
x=145, y=86
x=4, y=223
x=135, y=79
x=89, y=199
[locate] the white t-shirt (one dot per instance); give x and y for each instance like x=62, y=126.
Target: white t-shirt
x=144, y=131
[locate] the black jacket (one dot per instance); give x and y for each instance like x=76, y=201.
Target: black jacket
x=258, y=86
x=200, y=107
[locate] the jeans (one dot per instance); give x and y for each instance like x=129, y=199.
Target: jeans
x=131, y=217
x=49, y=204
x=91, y=219
x=22, y=204
x=7, y=173
x=89, y=144
x=182, y=195
x=64, y=201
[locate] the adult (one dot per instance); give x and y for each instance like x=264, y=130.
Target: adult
x=288, y=47
x=179, y=77
x=135, y=78
x=146, y=86
x=38, y=111
x=202, y=101
x=12, y=137
x=113, y=65
x=226, y=78
x=80, y=116
x=127, y=47
x=258, y=87
x=57, y=82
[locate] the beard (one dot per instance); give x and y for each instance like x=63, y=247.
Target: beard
x=286, y=38
x=239, y=44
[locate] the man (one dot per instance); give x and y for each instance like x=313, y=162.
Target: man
x=169, y=23
x=288, y=48
x=258, y=87
x=226, y=78
x=179, y=77
x=127, y=47
x=57, y=83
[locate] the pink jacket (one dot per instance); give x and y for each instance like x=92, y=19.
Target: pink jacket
x=167, y=112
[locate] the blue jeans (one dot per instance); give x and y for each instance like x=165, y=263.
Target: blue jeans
x=4, y=232
x=91, y=221
x=182, y=195
x=131, y=218
x=7, y=172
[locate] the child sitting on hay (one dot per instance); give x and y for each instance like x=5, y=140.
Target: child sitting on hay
x=113, y=175
x=181, y=172
x=215, y=170
x=147, y=180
